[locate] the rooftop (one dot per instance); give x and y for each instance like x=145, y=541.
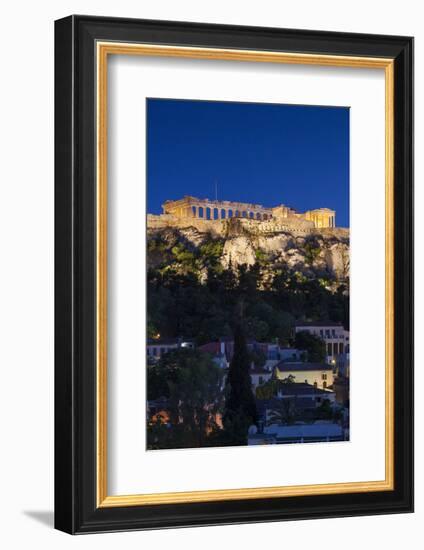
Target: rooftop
x=318, y=429
x=301, y=403
x=258, y=370
x=286, y=366
x=167, y=341
x=318, y=324
x=301, y=389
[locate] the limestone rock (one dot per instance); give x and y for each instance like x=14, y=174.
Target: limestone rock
x=318, y=253
x=237, y=251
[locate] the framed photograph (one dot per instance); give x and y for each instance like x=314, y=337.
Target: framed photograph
x=233, y=274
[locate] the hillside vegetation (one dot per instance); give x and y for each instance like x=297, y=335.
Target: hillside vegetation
x=198, y=282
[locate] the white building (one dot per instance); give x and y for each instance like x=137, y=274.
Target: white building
x=335, y=337
x=156, y=348
x=259, y=376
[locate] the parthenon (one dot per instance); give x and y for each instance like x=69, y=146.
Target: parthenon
x=205, y=209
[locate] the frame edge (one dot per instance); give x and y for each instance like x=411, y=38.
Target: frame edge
x=64, y=449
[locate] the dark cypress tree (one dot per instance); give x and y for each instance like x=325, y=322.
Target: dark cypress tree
x=240, y=409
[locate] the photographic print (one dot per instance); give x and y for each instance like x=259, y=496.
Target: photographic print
x=247, y=274
x=208, y=181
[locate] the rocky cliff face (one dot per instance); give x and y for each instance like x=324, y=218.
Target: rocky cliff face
x=320, y=253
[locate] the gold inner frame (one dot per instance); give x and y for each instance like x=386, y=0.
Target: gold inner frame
x=104, y=49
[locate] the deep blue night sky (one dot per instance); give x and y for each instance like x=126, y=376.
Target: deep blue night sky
x=259, y=153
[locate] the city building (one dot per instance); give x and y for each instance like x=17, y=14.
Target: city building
x=272, y=352
x=156, y=348
x=320, y=431
x=259, y=376
x=315, y=374
x=291, y=354
x=306, y=391
x=336, y=340
x=222, y=347
x=303, y=400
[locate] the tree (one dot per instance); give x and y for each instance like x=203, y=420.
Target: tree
x=258, y=358
x=257, y=329
x=267, y=390
x=312, y=250
x=325, y=411
x=289, y=380
x=240, y=407
x=312, y=344
x=284, y=411
x=248, y=280
x=211, y=252
x=192, y=383
x=283, y=331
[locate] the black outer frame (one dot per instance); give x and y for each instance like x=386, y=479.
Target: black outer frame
x=75, y=275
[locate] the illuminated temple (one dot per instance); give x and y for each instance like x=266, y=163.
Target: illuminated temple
x=205, y=209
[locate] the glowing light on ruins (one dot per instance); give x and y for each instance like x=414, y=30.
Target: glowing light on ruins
x=214, y=210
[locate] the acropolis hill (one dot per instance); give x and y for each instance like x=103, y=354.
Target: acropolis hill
x=205, y=214
x=250, y=231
